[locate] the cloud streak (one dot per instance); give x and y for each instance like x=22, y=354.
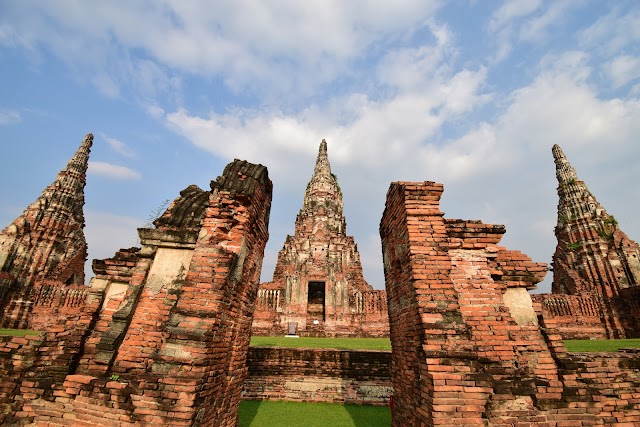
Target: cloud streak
x=109, y=170
x=9, y=117
x=118, y=146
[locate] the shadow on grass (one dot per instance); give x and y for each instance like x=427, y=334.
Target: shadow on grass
x=369, y=416
x=248, y=412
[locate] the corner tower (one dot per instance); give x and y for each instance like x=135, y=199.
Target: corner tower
x=318, y=287
x=47, y=241
x=593, y=256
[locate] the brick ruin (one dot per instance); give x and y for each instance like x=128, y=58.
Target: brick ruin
x=42, y=252
x=467, y=346
x=596, y=267
x=162, y=333
x=318, y=284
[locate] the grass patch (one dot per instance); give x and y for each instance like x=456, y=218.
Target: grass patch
x=17, y=332
x=317, y=342
x=265, y=413
x=600, y=345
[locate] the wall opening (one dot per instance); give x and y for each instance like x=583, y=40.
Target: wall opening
x=315, y=303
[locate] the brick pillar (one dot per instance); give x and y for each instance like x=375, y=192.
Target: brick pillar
x=467, y=348
x=199, y=336
x=175, y=324
x=420, y=295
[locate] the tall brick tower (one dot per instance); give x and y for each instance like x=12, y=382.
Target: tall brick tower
x=47, y=241
x=593, y=256
x=318, y=282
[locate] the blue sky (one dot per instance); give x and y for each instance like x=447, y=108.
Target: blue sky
x=472, y=94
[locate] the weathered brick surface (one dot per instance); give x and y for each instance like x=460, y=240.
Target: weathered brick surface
x=318, y=375
x=467, y=347
x=44, y=244
x=340, y=302
x=575, y=316
x=162, y=335
x=16, y=357
x=628, y=305
x=594, y=264
x=32, y=366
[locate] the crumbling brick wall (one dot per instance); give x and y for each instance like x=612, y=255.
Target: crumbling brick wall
x=33, y=367
x=467, y=346
x=574, y=316
x=318, y=375
x=17, y=354
x=169, y=344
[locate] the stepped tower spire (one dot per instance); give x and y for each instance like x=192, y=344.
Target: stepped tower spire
x=593, y=256
x=322, y=206
x=318, y=283
x=47, y=241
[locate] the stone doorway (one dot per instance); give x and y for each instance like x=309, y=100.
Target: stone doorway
x=315, y=304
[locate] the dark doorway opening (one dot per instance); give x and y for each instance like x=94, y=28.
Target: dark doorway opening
x=315, y=302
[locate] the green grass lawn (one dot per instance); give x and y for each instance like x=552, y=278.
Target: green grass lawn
x=600, y=345
x=18, y=332
x=314, y=342
x=256, y=413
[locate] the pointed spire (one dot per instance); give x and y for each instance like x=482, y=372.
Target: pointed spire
x=593, y=257
x=322, y=162
x=323, y=195
x=47, y=240
x=323, y=184
x=564, y=171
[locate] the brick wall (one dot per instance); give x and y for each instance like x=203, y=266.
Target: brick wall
x=163, y=333
x=33, y=367
x=574, y=316
x=318, y=375
x=17, y=355
x=467, y=346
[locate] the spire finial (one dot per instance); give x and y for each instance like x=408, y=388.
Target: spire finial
x=564, y=171
x=322, y=162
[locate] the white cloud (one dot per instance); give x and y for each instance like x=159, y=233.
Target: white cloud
x=416, y=91
x=9, y=117
x=112, y=171
x=537, y=28
x=613, y=32
x=623, y=69
x=512, y=9
x=155, y=111
x=376, y=133
x=273, y=46
x=560, y=107
x=504, y=163
x=118, y=146
x=527, y=21
x=106, y=85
